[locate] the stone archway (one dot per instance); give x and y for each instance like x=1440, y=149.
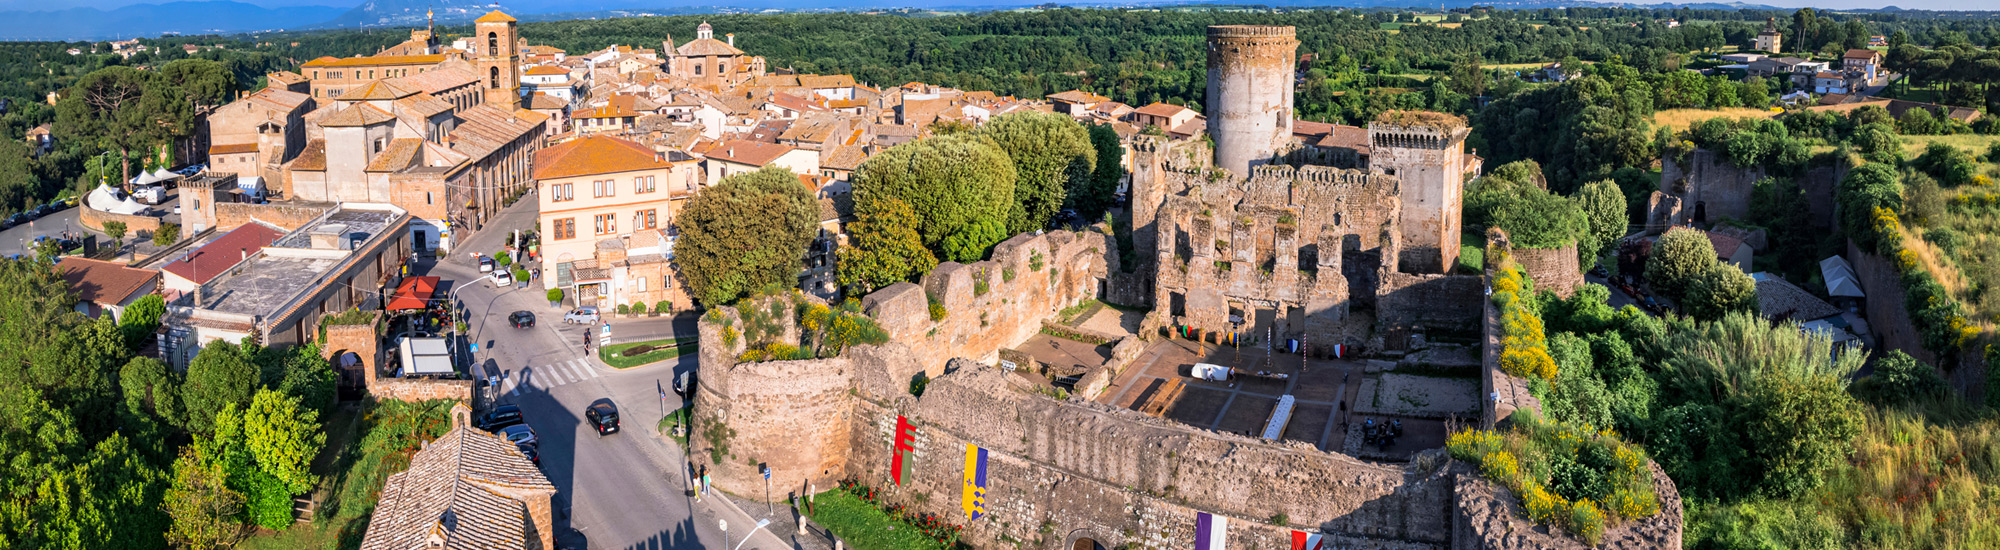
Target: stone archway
x=1083, y=539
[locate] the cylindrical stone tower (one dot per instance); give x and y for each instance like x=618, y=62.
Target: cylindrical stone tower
x=1250, y=74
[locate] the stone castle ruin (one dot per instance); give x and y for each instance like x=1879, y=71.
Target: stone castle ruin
x=1243, y=235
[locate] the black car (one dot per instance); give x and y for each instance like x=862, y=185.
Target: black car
x=529, y=452
x=604, y=416
x=500, y=417
x=522, y=319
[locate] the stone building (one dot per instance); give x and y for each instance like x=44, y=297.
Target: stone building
x=1769, y=39
x=1304, y=228
x=499, y=58
x=608, y=207
x=254, y=136
x=709, y=63
x=467, y=489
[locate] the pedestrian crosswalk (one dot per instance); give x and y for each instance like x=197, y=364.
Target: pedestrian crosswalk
x=549, y=376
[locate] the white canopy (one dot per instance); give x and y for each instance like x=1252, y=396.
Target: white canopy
x=425, y=356
x=112, y=200
x=1840, y=278
x=145, y=178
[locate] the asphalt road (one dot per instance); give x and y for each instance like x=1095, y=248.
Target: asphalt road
x=621, y=491
x=17, y=240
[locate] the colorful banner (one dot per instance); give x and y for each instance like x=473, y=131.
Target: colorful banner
x=1302, y=540
x=974, y=501
x=1210, y=531
x=905, y=434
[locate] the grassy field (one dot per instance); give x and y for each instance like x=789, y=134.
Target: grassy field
x=1680, y=119
x=1976, y=144
x=662, y=350
x=864, y=527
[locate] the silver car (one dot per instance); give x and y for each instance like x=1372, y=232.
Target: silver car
x=586, y=315
x=518, y=434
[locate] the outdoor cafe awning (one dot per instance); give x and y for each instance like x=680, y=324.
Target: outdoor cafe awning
x=414, y=294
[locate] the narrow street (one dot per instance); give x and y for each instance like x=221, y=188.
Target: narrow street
x=622, y=491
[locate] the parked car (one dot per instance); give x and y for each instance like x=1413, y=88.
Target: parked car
x=586, y=315
x=518, y=434
x=69, y=202
x=485, y=264
x=604, y=416
x=502, y=278
x=500, y=417
x=522, y=319
x=18, y=219
x=529, y=452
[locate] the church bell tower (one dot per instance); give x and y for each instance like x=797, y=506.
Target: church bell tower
x=498, y=58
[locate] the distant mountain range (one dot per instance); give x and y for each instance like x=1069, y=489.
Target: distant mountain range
x=228, y=17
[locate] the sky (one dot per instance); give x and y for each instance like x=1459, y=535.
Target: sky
x=38, y=5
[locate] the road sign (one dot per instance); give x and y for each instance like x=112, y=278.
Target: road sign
x=767, y=471
x=475, y=346
x=607, y=330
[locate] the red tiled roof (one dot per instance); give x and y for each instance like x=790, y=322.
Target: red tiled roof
x=595, y=154
x=104, y=282
x=229, y=148
x=749, y=152
x=210, y=260
x=1163, y=110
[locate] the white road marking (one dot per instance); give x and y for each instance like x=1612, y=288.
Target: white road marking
x=513, y=379
x=587, y=367
x=556, y=375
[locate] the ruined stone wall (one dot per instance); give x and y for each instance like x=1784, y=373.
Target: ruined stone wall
x=1553, y=269
x=1107, y=472
x=1889, y=320
x=1488, y=517
x=1820, y=185
x=1709, y=185
x=421, y=389
x=135, y=225
x=1447, y=302
x=1017, y=296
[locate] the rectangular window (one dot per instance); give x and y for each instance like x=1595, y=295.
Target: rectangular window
x=561, y=192
x=607, y=224
x=643, y=184
x=666, y=281
x=647, y=219
x=564, y=228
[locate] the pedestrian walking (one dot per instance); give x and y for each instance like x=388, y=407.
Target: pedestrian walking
x=704, y=481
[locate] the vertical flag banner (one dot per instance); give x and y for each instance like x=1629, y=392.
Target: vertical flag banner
x=1210, y=531
x=974, y=502
x=1302, y=540
x=905, y=434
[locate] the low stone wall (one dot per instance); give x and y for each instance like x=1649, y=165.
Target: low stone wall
x=1449, y=302
x=229, y=215
x=1006, y=308
x=421, y=389
x=134, y=224
x=1553, y=269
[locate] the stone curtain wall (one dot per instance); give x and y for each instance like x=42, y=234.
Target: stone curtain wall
x=421, y=389
x=1553, y=269
x=1890, y=321
x=977, y=325
x=1092, y=470
x=1722, y=189
x=230, y=215
x=1449, y=302
x=134, y=224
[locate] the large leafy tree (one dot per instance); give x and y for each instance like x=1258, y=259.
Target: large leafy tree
x=886, y=247
x=221, y=376
x=950, y=182
x=1091, y=202
x=203, y=508
x=1604, y=205
x=126, y=110
x=1721, y=290
x=746, y=233
x=282, y=438
x=202, y=82
x=1052, y=156
x=1679, y=257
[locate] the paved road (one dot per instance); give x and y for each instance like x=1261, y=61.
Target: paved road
x=622, y=491
x=16, y=240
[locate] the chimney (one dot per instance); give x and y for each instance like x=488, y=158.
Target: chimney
x=243, y=254
x=732, y=39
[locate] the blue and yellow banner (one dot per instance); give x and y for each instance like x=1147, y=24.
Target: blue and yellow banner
x=975, y=482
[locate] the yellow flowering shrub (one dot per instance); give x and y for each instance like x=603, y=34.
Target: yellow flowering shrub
x=1500, y=466
x=1472, y=444
x=1587, y=521
x=1982, y=180
x=1528, y=362
x=1630, y=503
x=1544, y=507
x=1906, y=260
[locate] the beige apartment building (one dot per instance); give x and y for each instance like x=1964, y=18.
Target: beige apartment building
x=607, y=211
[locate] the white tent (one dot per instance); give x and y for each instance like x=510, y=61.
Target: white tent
x=111, y=200
x=1840, y=278
x=425, y=356
x=145, y=178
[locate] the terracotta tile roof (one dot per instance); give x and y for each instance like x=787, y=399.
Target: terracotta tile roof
x=1778, y=298
x=546, y=101
x=1163, y=110
x=211, y=260
x=483, y=129
x=545, y=70
x=768, y=131
x=1347, y=137
x=278, y=100
x=749, y=152
x=1725, y=245
x=844, y=158
x=707, y=46
x=1860, y=53
x=1078, y=96
x=105, y=282
x=375, y=61
x=232, y=148
x=312, y=158
x=826, y=81
x=358, y=115
x=379, y=90
x=446, y=76
x=495, y=17
x=450, y=497
x=619, y=106
x=422, y=105
x=1309, y=131
x=595, y=154
x=399, y=155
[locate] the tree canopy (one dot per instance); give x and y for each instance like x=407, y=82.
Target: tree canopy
x=1053, y=157
x=886, y=247
x=746, y=233
x=952, y=183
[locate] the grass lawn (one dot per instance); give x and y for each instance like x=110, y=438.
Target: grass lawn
x=388, y=434
x=662, y=350
x=1976, y=144
x=1680, y=119
x=864, y=527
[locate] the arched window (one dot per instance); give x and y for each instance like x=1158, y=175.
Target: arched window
x=493, y=76
x=492, y=43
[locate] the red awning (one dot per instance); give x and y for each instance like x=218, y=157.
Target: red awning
x=414, y=294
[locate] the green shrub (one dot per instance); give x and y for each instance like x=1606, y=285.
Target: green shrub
x=624, y=309
x=555, y=294
x=663, y=306
x=638, y=308
x=502, y=259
